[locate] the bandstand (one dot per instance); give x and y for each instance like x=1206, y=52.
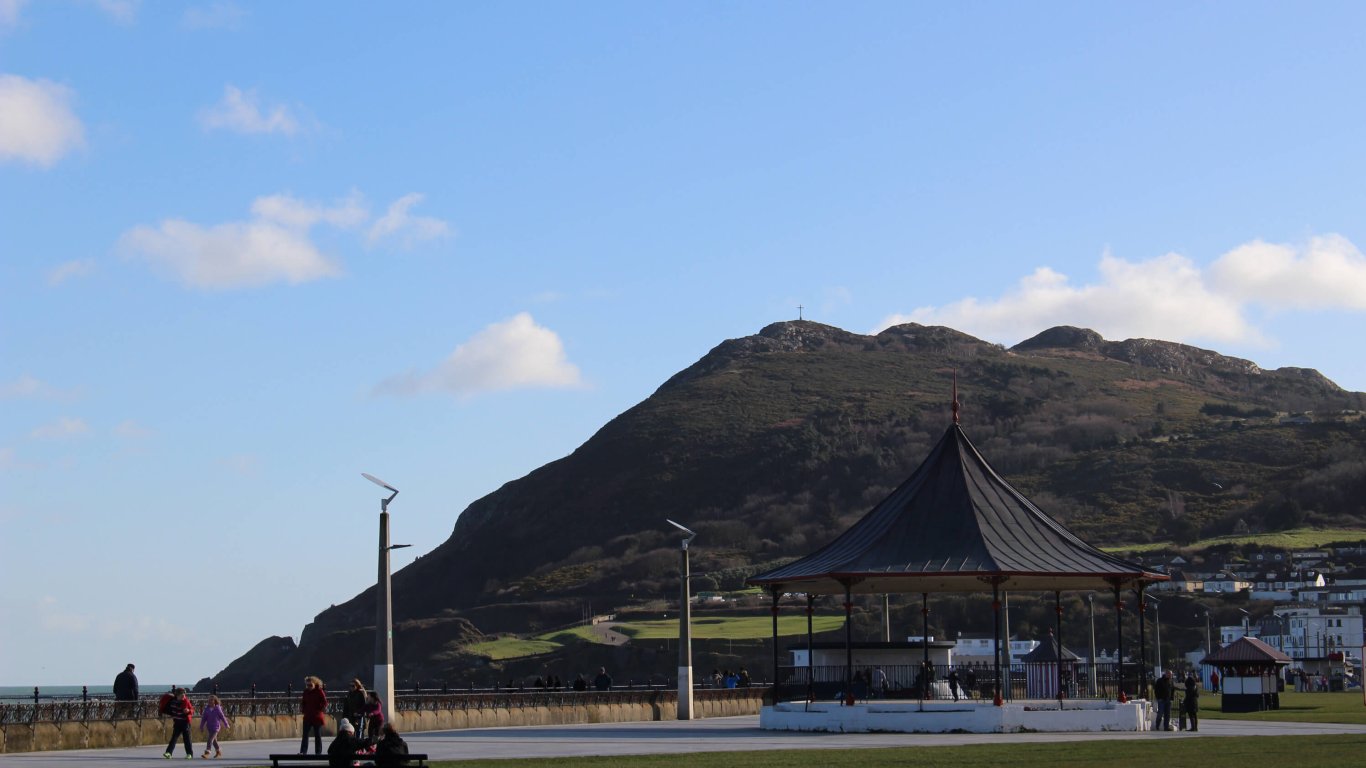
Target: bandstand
x=956, y=526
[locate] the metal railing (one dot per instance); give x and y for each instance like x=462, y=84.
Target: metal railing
x=78, y=709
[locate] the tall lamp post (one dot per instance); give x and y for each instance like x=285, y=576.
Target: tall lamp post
x=1157, y=629
x=384, y=615
x=684, y=627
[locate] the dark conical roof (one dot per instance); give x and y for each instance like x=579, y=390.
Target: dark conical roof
x=954, y=526
x=1047, y=650
x=1247, y=650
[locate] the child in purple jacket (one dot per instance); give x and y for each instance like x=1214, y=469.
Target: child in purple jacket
x=212, y=721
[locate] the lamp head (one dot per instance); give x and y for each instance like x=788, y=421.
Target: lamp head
x=684, y=529
x=378, y=482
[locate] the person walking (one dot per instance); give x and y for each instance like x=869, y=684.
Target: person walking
x=1192, y=702
x=125, y=690
x=180, y=710
x=1164, y=690
x=353, y=708
x=313, y=705
x=953, y=683
x=211, y=722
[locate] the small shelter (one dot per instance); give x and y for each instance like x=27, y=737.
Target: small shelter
x=1250, y=674
x=1050, y=671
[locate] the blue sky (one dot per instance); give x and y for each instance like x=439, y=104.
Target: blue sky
x=251, y=250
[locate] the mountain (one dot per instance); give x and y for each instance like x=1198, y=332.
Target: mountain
x=772, y=444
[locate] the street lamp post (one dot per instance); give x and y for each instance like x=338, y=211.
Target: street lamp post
x=1157, y=629
x=1207, y=648
x=384, y=615
x=684, y=627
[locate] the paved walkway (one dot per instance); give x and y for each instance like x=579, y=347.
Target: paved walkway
x=727, y=734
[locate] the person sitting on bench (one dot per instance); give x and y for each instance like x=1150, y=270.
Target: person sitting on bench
x=341, y=753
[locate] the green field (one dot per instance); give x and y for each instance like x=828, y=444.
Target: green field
x=1300, y=538
x=703, y=628
x=729, y=628
x=1298, y=708
x=1260, y=752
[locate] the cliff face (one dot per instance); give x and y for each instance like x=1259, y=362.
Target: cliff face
x=770, y=445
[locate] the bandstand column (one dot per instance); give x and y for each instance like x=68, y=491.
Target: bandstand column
x=996, y=639
x=1121, y=696
x=810, y=649
x=1142, y=641
x=776, y=593
x=848, y=643
x=1057, y=606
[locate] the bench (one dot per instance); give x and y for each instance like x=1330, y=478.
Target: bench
x=416, y=758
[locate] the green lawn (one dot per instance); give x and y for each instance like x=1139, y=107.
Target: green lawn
x=1298, y=708
x=1260, y=752
x=1300, y=538
x=512, y=648
x=729, y=628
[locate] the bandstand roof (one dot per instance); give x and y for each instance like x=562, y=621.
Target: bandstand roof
x=955, y=526
x=1246, y=651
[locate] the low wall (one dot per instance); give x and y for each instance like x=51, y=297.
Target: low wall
x=959, y=717
x=260, y=718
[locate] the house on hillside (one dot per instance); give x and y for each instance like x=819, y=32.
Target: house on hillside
x=1227, y=583
x=1181, y=582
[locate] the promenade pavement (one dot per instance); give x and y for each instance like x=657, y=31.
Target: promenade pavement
x=727, y=734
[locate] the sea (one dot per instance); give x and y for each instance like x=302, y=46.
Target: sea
x=13, y=693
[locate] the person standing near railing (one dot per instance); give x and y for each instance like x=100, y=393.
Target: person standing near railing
x=125, y=690
x=313, y=704
x=354, y=707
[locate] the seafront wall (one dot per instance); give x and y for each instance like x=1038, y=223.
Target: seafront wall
x=102, y=724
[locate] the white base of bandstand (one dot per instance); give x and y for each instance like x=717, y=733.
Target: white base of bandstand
x=892, y=716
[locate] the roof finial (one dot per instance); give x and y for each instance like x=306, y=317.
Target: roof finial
x=955, y=397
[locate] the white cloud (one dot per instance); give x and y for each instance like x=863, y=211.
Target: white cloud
x=239, y=111
x=61, y=428
x=29, y=387
x=122, y=11
x=220, y=15
x=244, y=464
x=71, y=269
x=9, y=12
x=132, y=430
x=1326, y=273
x=37, y=125
x=1162, y=298
x=273, y=247
x=513, y=354
x=405, y=227
x=301, y=214
x=1169, y=297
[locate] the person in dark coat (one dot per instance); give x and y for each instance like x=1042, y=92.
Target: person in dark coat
x=341, y=753
x=391, y=750
x=1164, y=690
x=353, y=708
x=126, y=685
x=125, y=691
x=1192, y=703
x=580, y=684
x=603, y=682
